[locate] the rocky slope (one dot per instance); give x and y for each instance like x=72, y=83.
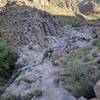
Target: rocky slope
x=43, y=43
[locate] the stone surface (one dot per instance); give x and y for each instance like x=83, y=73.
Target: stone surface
x=41, y=47
x=82, y=98
x=97, y=89
x=93, y=99
x=88, y=6
x=57, y=94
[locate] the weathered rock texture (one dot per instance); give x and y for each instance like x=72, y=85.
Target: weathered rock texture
x=89, y=6
x=84, y=6
x=97, y=90
x=42, y=44
x=26, y=25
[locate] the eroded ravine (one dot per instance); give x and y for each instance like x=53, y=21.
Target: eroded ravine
x=42, y=45
x=40, y=69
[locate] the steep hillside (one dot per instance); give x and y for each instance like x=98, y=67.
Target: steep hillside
x=89, y=9
x=52, y=6
x=55, y=61
x=22, y=21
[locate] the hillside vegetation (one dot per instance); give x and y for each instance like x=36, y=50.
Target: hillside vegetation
x=8, y=58
x=88, y=9
x=49, y=50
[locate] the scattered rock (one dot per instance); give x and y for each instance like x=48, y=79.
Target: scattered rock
x=82, y=98
x=93, y=99
x=97, y=90
x=57, y=94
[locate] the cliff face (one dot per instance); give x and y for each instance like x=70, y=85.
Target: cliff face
x=55, y=6
x=26, y=25
x=65, y=4
x=59, y=3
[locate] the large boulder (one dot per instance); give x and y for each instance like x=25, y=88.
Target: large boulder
x=89, y=6
x=86, y=6
x=97, y=90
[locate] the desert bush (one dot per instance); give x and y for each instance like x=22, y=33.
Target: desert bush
x=80, y=75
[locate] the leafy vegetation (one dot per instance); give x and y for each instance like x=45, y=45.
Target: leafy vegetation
x=7, y=60
x=81, y=73
x=29, y=96
x=22, y=78
x=97, y=43
x=2, y=33
x=75, y=21
x=9, y=96
x=35, y=93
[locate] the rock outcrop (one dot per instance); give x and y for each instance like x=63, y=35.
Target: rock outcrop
x=82, y=98
x=68, y=4
x=27, y=25
x=88, y=6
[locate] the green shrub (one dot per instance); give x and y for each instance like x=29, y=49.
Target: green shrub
x=74, y=21
x=9, y=96
x=7, y=60
x=2, y=33
x=22, y=78
x=80, y=75
x=97, y=43
x=35, y=9
x=35, y=93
